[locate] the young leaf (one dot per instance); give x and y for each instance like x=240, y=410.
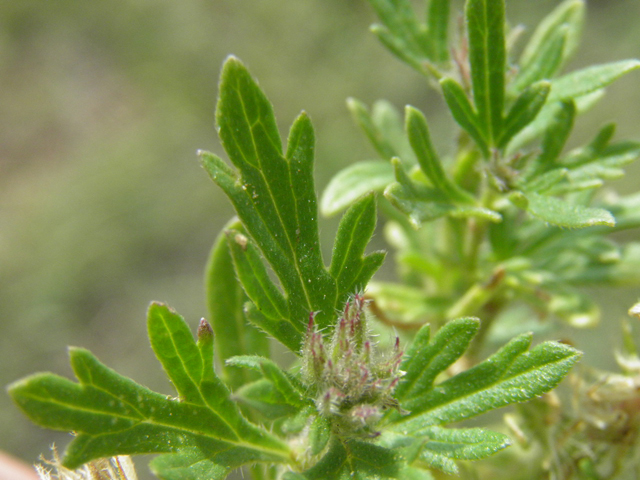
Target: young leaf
x=225, y=298
x=113, y=415
x=273, y=193
x=376, y=136
x=487, y=56
x=590, y=79
x=420, y=140
x=524, y=111
x=570, y=15
x=558, y=212
x=353, y=182
x=463, y=113
x=511, y=375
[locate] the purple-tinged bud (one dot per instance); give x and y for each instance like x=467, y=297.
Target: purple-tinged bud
x=204, y=330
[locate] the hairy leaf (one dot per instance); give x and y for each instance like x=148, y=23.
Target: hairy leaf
x=273, y=193
x=559, y=212
x=524, y=111
x=113, y=415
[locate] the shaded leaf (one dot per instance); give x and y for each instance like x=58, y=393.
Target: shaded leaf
x=524, y=111
x=353, y=182
x=234, y=335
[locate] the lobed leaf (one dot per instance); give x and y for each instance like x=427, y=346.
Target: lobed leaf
x=273, y=193
x=113, y=415
x=511, y=375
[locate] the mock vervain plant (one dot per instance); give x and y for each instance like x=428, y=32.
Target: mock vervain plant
x=494, y=236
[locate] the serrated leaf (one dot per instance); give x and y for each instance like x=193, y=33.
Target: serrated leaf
x=273, y=193
x=464, y=114
x=487, y=56
x=234, y=335
x=590, y=79
x=511, y=375
x=426, y=358
x=418, y=133
x=524, y=111
x=559, y=212
x=569, y=14
x=113, y=415
x=353, y=182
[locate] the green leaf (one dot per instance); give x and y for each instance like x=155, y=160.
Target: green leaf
x=354, y=460
x=426, y=358
x=558, y=212
x=511, y=375
x=319, y=434
x=402, y=33
x=590, y=79
x=351, y=269
x=438, y=29
x=568, y=16
x=464, y=113
x=524, y=111
x=553, y=142
x=273, y=193
x=353, y=182
x=464, y=443
x=113, y=415
x=234, y=335
x=487, y=56
x=418, y=133
x=263, y=397
x=281, y=381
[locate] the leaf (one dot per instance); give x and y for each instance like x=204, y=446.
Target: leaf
x=234, y=335
x=426, y=358
x=420, y=140
x=464, y=113
x=558, y=212
x=511, y=375
x=365, y=121
x=487, y=56
x=464, y=443
x=402, y=33
x=437, y=28
x=113, y=415
x=590, y=79
x=353, y=182
x=350, y=268
x=524, y=111
x=273, y=193
x=570, y=15
x=281, y=381
x=354, y=460
x=263, y=397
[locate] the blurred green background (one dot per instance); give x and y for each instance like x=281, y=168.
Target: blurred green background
x=103, y=206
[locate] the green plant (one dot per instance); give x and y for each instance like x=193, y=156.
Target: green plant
x=506, y=228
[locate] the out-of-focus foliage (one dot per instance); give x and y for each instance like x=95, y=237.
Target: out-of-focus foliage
x=102, y=105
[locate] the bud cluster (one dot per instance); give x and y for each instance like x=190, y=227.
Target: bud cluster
x=352, y=381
